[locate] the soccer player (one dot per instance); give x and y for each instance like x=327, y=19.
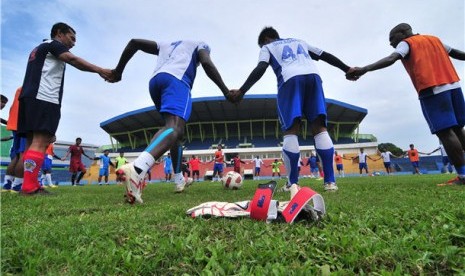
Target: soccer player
x=362, y=161
x=300, y=93
x=185, y=168
x=258, y=163
x=168, y=167
x=105, y=163
x=194, y=163
x=219, y=163
x=313, y=161
x=15, y=170
x=3, y=102
x=170, y=89
x=47, y=165
x=75, y=163
x=386, y=156
x=414, y=157
x=339, y=164
x=120, y=161
x=447, y=167
x=236, y=161
x=41, y=96
x=426, y=60
x=275, y=168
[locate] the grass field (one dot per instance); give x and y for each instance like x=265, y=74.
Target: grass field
x=374, y=225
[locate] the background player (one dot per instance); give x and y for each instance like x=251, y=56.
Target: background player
x=76, y=166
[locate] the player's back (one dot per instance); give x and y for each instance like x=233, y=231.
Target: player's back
x=290, y=57
x=179, y=59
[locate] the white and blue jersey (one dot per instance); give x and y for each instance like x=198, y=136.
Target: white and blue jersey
x=179, y=59
x=289, y=58
x=45, y=73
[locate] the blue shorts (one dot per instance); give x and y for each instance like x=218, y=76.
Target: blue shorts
x=167, y=170
x=444, y=110
x=18, y=146
x=362, y=166
x=387, y=165
x=339, y=167
x=301, y=96
x=314, y=170
x=257, y=169
x=218, y=167
x=47, y=165
x=171, y=95
x=103, y=172
x=415, y=164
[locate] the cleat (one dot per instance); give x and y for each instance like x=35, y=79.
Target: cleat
x=40, y=191
x=7, y=186
x=179, y=188
x=454, y=181
x=17, y=188
x=133, y=182
x=331, y=187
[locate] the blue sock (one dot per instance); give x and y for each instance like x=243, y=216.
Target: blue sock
x=325, y=149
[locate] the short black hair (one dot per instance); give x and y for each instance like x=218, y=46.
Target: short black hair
x=4, y=99
x=61, y=27
x=267, y=32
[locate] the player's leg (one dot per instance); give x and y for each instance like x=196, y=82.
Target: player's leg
x=33, y=158
x=82, y=172
x=454, y=148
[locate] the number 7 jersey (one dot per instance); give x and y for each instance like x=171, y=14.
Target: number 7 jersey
x=289, y=58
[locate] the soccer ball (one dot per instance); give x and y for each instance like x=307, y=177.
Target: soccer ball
x=232, y=180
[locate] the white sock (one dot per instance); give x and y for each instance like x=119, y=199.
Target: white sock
x=145, y=161
x=17, y=181
x=8, y=177
x=48, y=178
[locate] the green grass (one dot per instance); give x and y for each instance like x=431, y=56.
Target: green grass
x=374, y=225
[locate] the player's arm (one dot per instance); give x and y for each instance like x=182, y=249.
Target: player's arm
x=84, y=65
x=332, y=60
x=211, y=71
x=3, y=121
x=457, y=54
x=66, y=156
x=254, y=76
x=134, y=45
x=112, y=164
x=356, y=72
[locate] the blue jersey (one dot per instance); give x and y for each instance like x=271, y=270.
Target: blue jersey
x=104, y=161
x=168, y=162
x=289, y=58
x=179, y=59
x=312, y=161
x=45, y=73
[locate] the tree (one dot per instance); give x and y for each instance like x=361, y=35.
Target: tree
x=391, y=147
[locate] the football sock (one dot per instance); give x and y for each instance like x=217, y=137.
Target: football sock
x=178, y=177
x=48, y=178
x=291, y=156
x=177, y=156
x=460, y=171
x=32, y=163
x=144, y=162
x=8, y=179
x=325, y=149
x=73, y=178
x=17, y=181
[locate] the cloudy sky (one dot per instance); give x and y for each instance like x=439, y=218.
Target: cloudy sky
x=356, y=31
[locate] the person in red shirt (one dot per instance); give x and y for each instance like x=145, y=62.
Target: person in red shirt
x=75, y=164
x=427, y=61
x=194, y=164
x=219, y=163
x=236, y=161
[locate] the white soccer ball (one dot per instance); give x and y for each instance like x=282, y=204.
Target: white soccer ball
x=232, y=180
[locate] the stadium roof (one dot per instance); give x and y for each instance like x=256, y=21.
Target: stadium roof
x=343, y=116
